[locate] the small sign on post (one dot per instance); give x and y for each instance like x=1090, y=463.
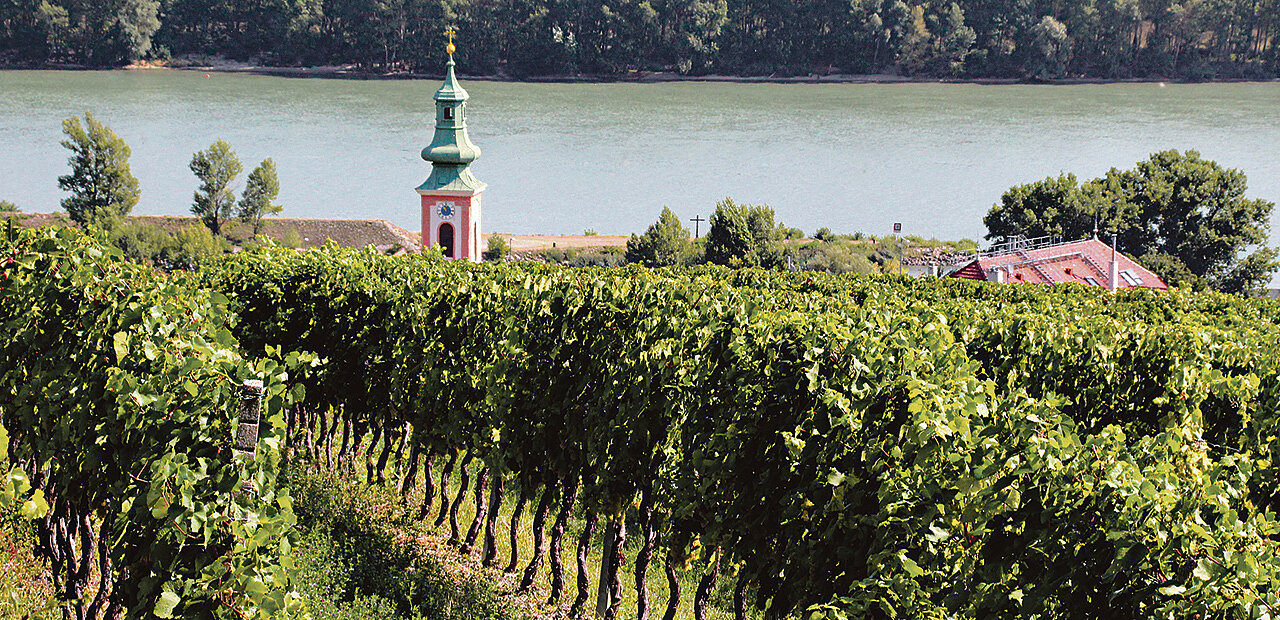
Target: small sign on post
x=897, y=227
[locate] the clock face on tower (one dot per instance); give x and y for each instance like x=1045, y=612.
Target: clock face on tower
x=445, y=210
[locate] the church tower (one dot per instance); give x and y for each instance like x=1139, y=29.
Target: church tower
x=451, y=195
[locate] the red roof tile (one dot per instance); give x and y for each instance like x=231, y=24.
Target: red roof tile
x=1085, y=262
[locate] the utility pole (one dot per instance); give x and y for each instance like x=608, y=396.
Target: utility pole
x=697, y=219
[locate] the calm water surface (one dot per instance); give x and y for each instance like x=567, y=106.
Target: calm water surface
x=563, y=158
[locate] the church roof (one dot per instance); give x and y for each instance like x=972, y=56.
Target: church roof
x=313, y=232
x=451, y=90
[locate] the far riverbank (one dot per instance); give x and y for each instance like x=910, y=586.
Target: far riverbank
x=351, y=72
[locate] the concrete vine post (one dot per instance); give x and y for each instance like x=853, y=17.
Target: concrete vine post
x=247, y=430
x=603, y=596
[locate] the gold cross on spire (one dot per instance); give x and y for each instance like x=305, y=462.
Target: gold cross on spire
x=450, y=31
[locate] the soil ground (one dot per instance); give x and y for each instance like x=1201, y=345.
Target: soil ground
x=525, y=243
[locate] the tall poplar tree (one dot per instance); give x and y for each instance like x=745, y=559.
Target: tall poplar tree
x=259, y=192
x=103, y=189
x=217, y=168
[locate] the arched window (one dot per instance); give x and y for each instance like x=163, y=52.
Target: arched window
x=446, y=239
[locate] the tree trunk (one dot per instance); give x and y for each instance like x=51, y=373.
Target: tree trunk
x=428, y=487
x=387, y=443
x=479, y=519
x=322, y=439
x=604, y=597
x=584, y=546
x=570, y=496
x=649, y=536
x=104, y=572
x=85, y=533
x=346, y=439
x=771, y=588
x=115, y=603
x=705, y=587
x=539, y=522
x=311, y=442
x=444, y=487
x=513, y=531
x=491, y=524
x=740, y=596
x=615, y=559
x=673, y=588
x=399, y=453
x=328, y=440
x=464, y=479
x=290, y=429
x=410, y=478
x=358, y=431
x=368, y=455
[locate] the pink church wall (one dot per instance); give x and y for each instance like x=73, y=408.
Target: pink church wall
x=466, y=224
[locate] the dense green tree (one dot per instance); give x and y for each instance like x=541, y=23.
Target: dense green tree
x=217, y=168
x=728, y=237
x=1054, y=206
x=688, y=30
x=8, y=207
x=665, y=243
x=1192, y=39
x=1185, y=214
x=742, y=234
x=260, y=190
x=103, y=189
x=137, y=21
x=1052, y=47
x=956, y=40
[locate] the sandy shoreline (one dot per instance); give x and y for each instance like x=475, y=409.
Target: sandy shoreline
x=218, y=65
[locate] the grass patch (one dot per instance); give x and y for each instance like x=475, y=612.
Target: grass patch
x=383, y=505
x=26, y=587
x=357, y=561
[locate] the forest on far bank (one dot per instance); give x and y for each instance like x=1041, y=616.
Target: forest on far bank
x=1020, y=39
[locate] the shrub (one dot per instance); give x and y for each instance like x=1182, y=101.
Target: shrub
x=498, y=248
x=292, y=239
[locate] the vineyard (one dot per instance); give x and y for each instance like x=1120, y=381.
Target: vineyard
x=830, y=447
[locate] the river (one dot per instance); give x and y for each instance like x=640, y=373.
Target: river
x=564, y=158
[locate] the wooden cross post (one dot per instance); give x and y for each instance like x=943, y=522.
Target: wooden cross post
x=697, y=219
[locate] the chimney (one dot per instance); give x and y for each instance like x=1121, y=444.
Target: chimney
x=1113, y=270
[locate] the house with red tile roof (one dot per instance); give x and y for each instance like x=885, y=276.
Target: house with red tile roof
x=1087, y=262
